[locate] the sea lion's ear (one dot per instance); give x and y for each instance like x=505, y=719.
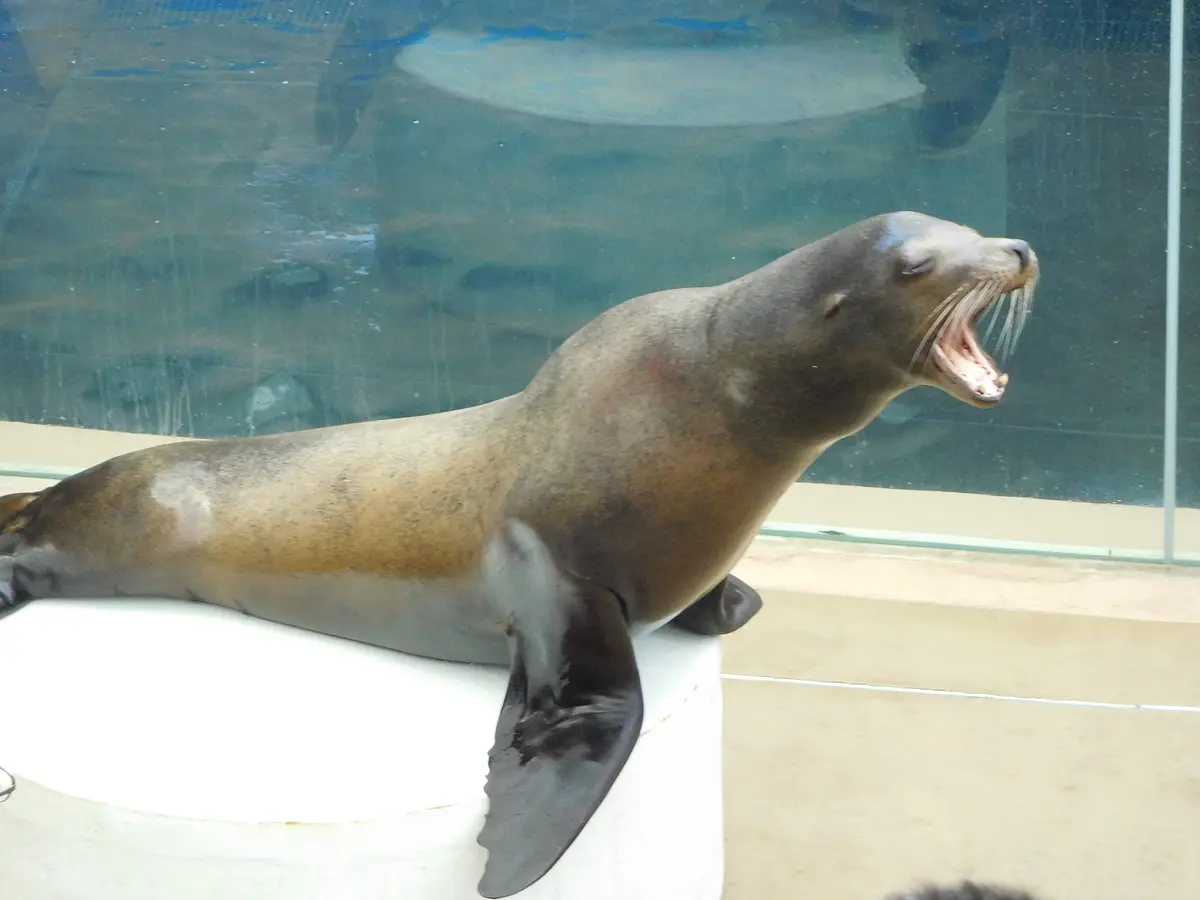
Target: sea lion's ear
x=833, y=303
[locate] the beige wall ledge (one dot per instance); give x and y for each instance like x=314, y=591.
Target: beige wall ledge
x=1146, y=592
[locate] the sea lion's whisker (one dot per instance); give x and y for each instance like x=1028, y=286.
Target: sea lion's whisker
x=969, y=308
x=955, y=311
x=959, y=313
x=1002, y=298
x=950, y=298
x=1021, y=300
x=1028, y=291
x=1009, y=334
x=1006, y=333
x=982, y=298
x=993, y=315
x=941, y=312
x=944, y=311
x=985, y=300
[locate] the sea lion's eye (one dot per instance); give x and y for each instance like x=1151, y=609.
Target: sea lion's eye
x=918, y=267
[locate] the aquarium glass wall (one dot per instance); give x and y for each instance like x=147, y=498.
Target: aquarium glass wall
x=232, y=217
x=1188, y=405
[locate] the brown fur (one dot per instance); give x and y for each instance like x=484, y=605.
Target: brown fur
x=394, y=497
x=10, y=506
x=628, y=454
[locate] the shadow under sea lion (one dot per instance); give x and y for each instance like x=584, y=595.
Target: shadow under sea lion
x=965, y=890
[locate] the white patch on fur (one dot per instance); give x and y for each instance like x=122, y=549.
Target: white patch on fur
x=739, y=385
x=519, y=572
x=186, y=490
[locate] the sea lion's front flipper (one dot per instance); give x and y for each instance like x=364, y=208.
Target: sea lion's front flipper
x=726, y=608
x=571, y=716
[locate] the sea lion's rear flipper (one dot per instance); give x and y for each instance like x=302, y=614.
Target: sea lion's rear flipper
x=12, y=520
x=572, y=713
x=726, y=608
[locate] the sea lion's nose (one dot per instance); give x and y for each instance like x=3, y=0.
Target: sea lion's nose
x=1022, y=251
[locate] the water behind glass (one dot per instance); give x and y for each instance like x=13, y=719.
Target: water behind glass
x=227, y=217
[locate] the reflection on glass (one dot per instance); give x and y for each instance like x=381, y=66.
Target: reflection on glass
x=225, y=217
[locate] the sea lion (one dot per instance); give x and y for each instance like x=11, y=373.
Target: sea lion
x=542, y=530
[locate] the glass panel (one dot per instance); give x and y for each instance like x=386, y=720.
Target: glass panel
x=1082, y=122
x=226, y=217
x=1187, y=519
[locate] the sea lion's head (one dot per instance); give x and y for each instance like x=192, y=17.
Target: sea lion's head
x=938, y=281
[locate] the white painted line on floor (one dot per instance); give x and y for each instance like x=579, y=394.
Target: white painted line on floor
x=893, y=689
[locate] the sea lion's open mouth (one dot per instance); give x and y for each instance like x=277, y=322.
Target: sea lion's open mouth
x=955, y=359
x=960, y=359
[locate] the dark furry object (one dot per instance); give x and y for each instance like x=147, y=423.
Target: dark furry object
x=967, y=890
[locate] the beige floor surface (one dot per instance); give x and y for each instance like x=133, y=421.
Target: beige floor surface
x=847, y=793
x=844, y=795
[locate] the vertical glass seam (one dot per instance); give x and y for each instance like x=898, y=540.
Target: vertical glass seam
x=1174, y=196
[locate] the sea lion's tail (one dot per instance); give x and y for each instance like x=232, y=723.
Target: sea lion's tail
x=966, y=890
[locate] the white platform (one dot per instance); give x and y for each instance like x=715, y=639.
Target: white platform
x=173, y=751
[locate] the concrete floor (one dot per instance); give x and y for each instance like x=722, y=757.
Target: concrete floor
x=853, y=768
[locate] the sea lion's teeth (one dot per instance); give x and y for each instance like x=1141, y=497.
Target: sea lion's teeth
x=1003, y=379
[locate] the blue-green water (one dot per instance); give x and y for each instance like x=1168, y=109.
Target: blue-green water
x=228, y=217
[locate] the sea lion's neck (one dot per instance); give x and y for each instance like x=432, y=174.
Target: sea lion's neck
x=787, y=378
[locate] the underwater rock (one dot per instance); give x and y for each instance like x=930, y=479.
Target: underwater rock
x=276, y=398
x=397, y=259
x=497, y=276
x=565, y=285
x=141, y=382
x=285, y=286
x=415, y=257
